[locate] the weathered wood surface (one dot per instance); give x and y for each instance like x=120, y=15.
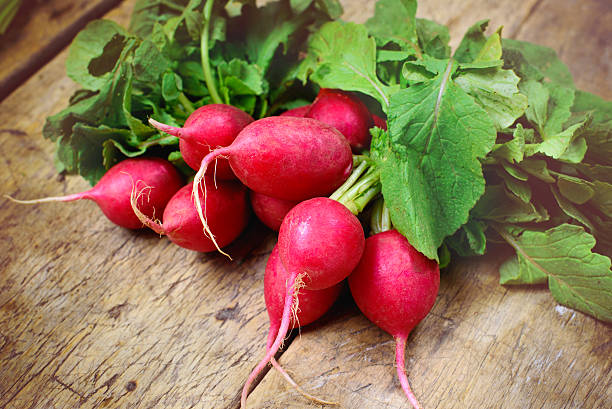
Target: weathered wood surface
x=39, y=31
x=92, y=315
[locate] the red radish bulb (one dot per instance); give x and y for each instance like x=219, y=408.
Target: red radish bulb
x=310, y=306
x=299, y=112
x=395, y=287
x=226, y=208
x=379, y=122
x=207, y=128
x=270, y=210
x=319, y=243
x=287, y=158
x=345, y=112
x=155, y=178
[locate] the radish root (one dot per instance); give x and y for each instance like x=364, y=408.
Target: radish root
x=152, y=223
x=199, y=178
x=400, y=349
x=302, y=392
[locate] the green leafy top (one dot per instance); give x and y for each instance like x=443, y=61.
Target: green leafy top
x=496, y=135
x=157, y=69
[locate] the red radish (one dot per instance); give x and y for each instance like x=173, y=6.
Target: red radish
x=310, y=305
x=155, y=178
x=285, y=157
x=270, y=210
x=226, y=209
x=395, y=286
x=320, y=242
x=346, y=113
x=207, y=128
x=379, y=122
x=297, y=112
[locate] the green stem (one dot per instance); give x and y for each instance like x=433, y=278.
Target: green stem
x=7, y=14
x=167, y=140
x=186, y=103
x=264, y=108
x=208, y=78
x=380, y=220
x=357, y=172
x=362, y=192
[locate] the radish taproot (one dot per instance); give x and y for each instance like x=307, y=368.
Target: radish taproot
x=310, y=305
x=226, y=208
x=270, y=210
x=319, y=243
x=345, y=112
x=285, y=157
x=207, y=128
x=155, y=179
x=395, y=287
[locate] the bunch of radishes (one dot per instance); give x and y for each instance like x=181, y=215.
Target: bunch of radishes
x=291, y=164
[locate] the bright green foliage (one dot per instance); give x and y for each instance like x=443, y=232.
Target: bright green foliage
x=562, y=257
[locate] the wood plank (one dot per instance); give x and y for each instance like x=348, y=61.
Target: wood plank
x=40, y=30
x=483, y=345
x=92, y=315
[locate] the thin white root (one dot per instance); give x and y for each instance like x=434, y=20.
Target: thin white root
x=199, y=177
x=305, y=394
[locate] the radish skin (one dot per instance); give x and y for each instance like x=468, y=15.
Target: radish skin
x=310, y=306
x=345, y=112
x=395, y=287
x=208, y=127
x=299, y=112
x=284, y=157
x=226, y=209
x=320, y=242
x=270, y=210
x=155, y=178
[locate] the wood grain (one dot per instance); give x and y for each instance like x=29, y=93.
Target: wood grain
x=40, y=30
x=93, y=316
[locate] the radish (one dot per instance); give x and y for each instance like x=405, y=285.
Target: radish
x=207, y=128
x=395, y=286
x=299, y=112
x=319, y=243
x=379, y=122
x=154, y=178
x=226, y=209
x=285, y=157
x=310, y=305
x=346, y=113
x=270, y=210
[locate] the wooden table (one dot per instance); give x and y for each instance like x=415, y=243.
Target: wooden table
x=93, y=316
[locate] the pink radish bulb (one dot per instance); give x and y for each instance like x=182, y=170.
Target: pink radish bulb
x=299, y=112
x=270, y=210
x=395, y=287
x=154, y=178
x=319, y=243
x=310, y=306
x=379, y=122
x=287, y=158
x=207, y=128
x=346, y=113
x=227, y=212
